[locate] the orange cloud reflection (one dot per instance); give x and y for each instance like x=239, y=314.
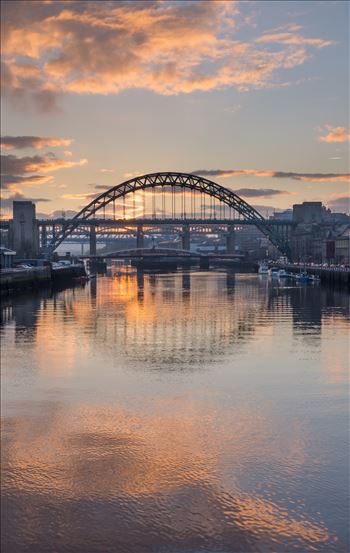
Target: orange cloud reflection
x=177, y=447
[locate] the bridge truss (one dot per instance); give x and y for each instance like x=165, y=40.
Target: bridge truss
x=168, y=198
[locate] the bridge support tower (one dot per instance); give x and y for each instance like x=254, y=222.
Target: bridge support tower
x=230, y=239
x=92, y=240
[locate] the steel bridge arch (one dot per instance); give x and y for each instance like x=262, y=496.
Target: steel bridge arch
x=174, y=179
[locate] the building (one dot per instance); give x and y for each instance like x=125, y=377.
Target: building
x=338, y=218
x=6, y=258
x=306, y=244
x=286, y=215
x=24, y=232
x=315, y=231
x=309, y=212
x=342, y=248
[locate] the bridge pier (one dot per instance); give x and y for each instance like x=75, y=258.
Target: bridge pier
x=186, y=240
x=230, y=239
x=92, y=240
x=139, y=236
x=204, y=262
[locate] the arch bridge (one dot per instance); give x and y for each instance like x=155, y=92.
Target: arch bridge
x=164, y=199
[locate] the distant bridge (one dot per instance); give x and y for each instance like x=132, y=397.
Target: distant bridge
x=107, y=230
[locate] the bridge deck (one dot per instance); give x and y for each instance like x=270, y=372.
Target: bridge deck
x=154, y=221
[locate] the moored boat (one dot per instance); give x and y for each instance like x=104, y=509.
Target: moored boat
x=305, y=277
x=263, y=269
x=274, y=272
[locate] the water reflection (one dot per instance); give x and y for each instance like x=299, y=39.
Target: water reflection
x=136, y=476
x=153, y=318
x=175, y=413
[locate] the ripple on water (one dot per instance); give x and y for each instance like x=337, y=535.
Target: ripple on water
x=187, y=412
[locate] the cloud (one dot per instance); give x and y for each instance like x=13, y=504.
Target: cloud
x=11, y=164
x=10, y=181
x=67, y=213
x=267, y=210
x=17, y=170
x=233, y=109
x=336, y=134
x=305, y=177
x=259, y=192
x=7, y=203
x=107, y=170
x=130, y=175
x=37, y=142
x=340, y=204
x=166, y=47
x=292, y=38
x=79, y=196
x=101, y=186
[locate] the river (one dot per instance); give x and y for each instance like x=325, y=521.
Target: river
x=181, y=412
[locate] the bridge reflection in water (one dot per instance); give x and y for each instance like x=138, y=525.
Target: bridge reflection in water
x=166, y=412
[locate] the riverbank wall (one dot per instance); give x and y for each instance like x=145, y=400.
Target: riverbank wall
x=16, y=281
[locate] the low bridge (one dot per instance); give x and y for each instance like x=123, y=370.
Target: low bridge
x=156, y=253
x=165, y=256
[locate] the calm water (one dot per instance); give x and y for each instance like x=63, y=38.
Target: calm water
x=176, y=413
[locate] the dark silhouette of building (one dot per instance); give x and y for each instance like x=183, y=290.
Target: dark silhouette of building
x=316, y=232
x=24, y=232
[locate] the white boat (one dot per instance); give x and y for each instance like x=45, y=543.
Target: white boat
x=282, y=273
x=263, y=269
x=305, y=277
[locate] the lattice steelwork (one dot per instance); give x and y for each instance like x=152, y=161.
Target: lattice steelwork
x=171, y=181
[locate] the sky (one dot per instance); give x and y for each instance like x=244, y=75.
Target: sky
x=252, y=95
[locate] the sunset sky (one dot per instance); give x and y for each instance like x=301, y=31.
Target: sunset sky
x=253, y=95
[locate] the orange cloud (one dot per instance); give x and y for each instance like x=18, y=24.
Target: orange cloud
x=11, y=164
x=178, y=448
x=293, y=39
x=82, y=196
x=11, y=181
x=37, y=142
x=16, y=170
x=167, y=48
x=336, y=134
